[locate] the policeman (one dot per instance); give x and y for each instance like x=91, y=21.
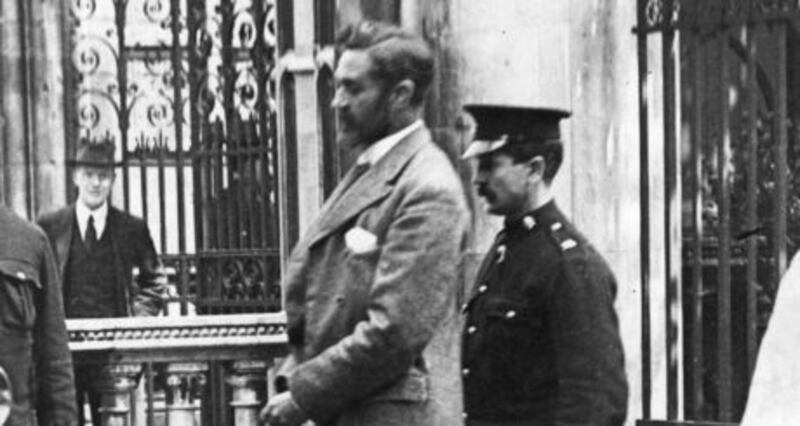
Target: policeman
x=33, y=335
x=541, y=342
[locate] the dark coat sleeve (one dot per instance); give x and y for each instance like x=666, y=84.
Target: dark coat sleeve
x=151, y=282
x=56, y=392
x=592, y=388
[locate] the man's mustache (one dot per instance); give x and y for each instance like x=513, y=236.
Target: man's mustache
x=484, y=192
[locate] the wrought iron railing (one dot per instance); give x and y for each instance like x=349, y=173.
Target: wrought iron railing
x=726, y=87
x=174, y=356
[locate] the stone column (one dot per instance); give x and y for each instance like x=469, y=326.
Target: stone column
x=248, y=382
x=120, y=380
x=185, y=381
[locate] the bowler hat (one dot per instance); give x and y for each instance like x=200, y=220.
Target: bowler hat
x=95, y=154
x=501, y=125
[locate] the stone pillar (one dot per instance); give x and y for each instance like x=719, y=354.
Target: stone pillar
x=31, y=106
x=120, y=380
x=248, y=382
x=185, y=381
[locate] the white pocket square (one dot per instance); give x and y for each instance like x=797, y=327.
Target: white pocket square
x=359, y=240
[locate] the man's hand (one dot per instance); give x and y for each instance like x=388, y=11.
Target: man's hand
x=281, y=410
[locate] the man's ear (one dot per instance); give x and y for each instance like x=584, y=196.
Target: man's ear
x=403, y=92
x=537, y=166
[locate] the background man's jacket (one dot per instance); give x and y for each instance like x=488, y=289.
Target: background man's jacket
x=132, y=247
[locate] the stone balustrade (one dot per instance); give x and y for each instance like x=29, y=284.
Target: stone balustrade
x=246, y=344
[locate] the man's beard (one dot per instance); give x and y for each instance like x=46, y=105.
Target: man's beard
x=360, y=136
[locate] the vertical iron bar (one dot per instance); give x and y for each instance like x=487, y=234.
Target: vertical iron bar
x=781, y=168
x=237, y=182
x=143, y=173
x=178, y=82
x=672, y=206
x=196, y=76
x=228, y=88
x=752, y=197
x=218, y=167
x=698, y=88
x=120, y=10
x=161, y=151
x=724, y=365
x=644, y=204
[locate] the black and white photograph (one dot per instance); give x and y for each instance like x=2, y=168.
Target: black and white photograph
x=399, y=213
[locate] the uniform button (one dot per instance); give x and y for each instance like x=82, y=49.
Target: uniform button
x=529, y=222
x=501, y=254
x=464, y=415
x=472, y=329
x=465, y=372
x=482, y=289
x=21, y=275
x=511, y=314
x=464, y=308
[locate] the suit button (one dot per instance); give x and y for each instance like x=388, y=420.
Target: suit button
x=465, y=372
x=464, y=415
x=21, y=275
x=471, y=329
x=511, y=314
x=483, y=288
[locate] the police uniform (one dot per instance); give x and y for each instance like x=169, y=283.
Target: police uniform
x=33, y=336
x=541, y=344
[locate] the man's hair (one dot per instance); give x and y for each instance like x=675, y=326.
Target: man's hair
x=551, y=151
x=396, y=54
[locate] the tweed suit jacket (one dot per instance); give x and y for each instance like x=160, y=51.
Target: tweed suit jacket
x=133, y=248
x=374, y=335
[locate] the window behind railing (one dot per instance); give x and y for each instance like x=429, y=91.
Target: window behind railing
x=728, y=104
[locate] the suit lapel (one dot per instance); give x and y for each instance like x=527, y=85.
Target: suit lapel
x=374, y=185
x=64, y=237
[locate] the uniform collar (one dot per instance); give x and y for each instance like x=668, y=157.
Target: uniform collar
x=546, y=215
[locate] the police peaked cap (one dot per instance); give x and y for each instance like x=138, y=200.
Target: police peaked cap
x=501, y=125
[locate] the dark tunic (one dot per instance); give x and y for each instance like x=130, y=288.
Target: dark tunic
x=541, y=342
x=33, y=336
x=89, y=280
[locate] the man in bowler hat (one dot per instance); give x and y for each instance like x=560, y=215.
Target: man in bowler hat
x=37, y=387
x=540, y=344
x=106, y=256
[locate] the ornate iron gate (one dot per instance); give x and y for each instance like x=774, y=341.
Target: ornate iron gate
x=188, y=89
x=730, y=91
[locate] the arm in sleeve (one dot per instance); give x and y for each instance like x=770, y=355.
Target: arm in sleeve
x=56, y=388
x=152, y=281
x=592, y=388
x=411, y=294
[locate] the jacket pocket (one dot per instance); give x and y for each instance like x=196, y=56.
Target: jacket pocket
x=19, y=282
x=512, y=332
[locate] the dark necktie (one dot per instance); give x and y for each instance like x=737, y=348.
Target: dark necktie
x=90, y=239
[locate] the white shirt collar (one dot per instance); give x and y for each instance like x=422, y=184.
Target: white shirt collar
x=100, y=215
x=377, y=150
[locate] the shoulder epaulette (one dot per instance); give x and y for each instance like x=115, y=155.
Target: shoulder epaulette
x=562, y=237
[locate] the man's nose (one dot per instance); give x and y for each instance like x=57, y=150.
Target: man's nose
x=479, y=179
x=338, y=100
